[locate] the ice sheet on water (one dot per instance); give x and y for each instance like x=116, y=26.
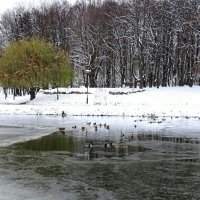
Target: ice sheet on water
x=11, y=190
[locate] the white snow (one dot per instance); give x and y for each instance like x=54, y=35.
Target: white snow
x=166, y=101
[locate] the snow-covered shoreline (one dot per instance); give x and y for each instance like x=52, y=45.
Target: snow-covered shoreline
x=163, y=102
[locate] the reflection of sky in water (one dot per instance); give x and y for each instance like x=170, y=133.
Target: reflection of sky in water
x=150, y=161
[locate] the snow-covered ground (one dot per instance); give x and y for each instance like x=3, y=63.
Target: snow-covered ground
x=170, y=101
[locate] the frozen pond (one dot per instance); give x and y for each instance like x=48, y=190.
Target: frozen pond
x=129, y=158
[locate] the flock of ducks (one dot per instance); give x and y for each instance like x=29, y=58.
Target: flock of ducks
x=110, y=145
x=105, y=126
x=94, y=125
x=153, y=118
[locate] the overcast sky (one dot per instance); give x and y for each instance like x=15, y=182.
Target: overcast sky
x=10, y=4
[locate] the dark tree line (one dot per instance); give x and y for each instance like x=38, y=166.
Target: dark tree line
x=136, y=42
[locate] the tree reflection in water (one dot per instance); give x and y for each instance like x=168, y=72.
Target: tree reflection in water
x=94, y=166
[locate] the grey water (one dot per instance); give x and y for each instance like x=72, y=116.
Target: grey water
x=135, y=158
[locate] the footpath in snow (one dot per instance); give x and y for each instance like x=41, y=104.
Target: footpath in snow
x=170, y=101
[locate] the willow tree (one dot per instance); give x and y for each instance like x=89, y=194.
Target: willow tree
x=32, y=64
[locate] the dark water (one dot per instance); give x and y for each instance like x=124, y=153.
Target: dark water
x=145, y=165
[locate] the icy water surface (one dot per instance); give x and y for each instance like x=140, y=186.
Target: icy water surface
x=129, y=159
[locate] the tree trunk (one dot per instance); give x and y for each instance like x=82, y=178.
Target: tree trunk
x=150, y=79
x=32, y=93
x=92, y=80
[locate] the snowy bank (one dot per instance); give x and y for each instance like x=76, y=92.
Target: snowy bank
x=171, y=101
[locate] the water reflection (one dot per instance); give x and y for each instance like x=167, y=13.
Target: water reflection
x=88, y=165
x=159, y=137
x=126, y=147
x=53, y=142
x=84, y=148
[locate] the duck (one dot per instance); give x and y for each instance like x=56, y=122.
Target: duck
x=132, y=137
x=62, y=130
x=90, y=146
x=63, y=114
x=107, y=127
x=115, y=146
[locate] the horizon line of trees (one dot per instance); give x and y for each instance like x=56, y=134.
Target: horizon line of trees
x=132, y=42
